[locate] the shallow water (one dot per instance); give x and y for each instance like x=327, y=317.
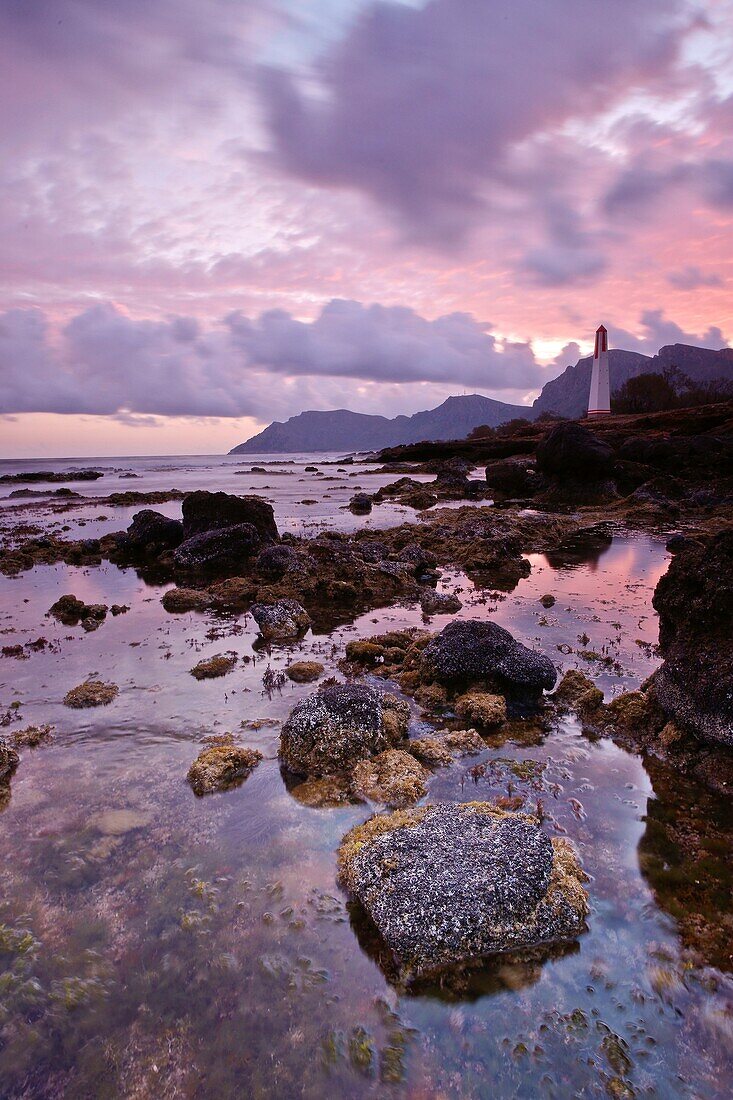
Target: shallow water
x=201, y=948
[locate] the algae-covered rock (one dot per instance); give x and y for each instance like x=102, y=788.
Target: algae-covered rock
x=304, y=672
x=9, y=761
x=280, y=621
x=447, y=884
x=92, y=693
x=179, y=600
x=32, y=736
x=324, y=792
x=576, y=692
x=221, y=765
x=482, y=707
x=442, y=748
x=212, y=667
x=340, y=725
x=394, y=778
x=475, y=650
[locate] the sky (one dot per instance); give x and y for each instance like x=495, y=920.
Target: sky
x=218, y=213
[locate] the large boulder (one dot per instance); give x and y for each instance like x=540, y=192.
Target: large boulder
x=474, y=650
x=151, y=532
x=694, y=685
x=449, y=884
x=572, y=451
x=218, y=550
x=340, y=725
x=204, y=511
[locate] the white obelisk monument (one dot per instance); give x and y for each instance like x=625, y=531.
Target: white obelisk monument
x=599, y=403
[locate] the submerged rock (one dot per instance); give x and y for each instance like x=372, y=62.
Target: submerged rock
x=475, y=650
x=304, y=672
x=447, y=884
x=280, y=621
x=92, y=693
x=340, y=725
x=324, y=792
x=394, y=778
x=222, y=765
x=204, y=512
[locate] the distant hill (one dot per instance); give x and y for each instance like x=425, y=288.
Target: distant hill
x=567, y=394
x=341, y=430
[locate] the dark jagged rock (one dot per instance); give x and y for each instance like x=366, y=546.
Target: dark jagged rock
x=274, y=562
x=573, y=451
x=204, y=512
x=465, y=652
x=340, y=725
x=218, y=550
x=360, y=504
x=695, y=603
x=449, y=884
x=513, y=477
x=151, y=532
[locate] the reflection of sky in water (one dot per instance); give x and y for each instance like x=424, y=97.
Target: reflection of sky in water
x=210, y=939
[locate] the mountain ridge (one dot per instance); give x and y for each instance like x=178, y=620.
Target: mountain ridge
x=565, y=395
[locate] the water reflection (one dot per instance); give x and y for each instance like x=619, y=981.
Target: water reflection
x=156, y=944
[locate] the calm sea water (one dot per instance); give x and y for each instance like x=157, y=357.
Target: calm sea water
x=153, y=944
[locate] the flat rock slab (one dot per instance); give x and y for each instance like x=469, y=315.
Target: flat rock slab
x=447, y=884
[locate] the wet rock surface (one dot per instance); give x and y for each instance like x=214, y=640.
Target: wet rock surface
x=475, y=650
x=92, y=693
x=219, y=550
x=450, y=883
x=394, y=777
x=280, y=621
x=694, y=599
x=221, y=765
x=340, y=725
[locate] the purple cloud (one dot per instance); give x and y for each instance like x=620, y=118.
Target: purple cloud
x=419, y=107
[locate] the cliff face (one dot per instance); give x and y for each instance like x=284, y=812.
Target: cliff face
x=567, y=395
x=341, y=430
